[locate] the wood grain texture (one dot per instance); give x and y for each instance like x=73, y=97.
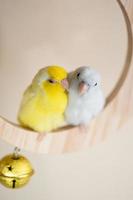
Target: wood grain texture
x=117, y=111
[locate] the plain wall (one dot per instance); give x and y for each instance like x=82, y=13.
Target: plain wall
x=69, y=33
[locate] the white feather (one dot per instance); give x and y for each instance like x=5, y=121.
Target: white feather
x=82, y=108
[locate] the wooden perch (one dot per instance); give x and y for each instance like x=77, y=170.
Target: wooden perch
x=69, y=139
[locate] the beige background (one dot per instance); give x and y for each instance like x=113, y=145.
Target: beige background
x=69, y=33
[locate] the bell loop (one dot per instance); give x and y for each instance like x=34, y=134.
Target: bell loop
x=16, y=152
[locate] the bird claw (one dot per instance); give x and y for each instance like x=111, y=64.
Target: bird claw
x=41, y=136
x=83, y=128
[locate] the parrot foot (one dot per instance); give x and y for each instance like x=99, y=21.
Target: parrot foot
x=83, y=129
x=41, y=136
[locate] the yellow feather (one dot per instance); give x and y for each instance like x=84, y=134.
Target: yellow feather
x=57, y=73
x=42, y=108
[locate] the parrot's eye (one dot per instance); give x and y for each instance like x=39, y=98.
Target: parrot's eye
x=95, y=84
x=51, y=81
x=78, y=75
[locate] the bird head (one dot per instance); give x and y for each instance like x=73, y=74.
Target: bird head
x=87, y=79
x=52, y=77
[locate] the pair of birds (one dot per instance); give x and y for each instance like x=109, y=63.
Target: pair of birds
x=56, y=98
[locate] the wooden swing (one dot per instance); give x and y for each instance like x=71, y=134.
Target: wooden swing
x=69, y=139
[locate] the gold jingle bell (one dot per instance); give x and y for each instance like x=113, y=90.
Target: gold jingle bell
x=15, y=171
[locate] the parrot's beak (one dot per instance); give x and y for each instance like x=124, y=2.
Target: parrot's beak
x=83, y=87
x=65, y=84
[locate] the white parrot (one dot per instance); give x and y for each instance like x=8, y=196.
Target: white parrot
x=85, y=99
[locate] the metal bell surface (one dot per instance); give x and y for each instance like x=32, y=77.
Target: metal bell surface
x=15, y=171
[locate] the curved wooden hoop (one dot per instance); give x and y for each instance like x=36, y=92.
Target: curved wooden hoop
x=61, y=141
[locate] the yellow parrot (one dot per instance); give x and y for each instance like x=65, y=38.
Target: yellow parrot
x=44, y=101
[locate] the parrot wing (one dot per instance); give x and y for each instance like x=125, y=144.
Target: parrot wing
x=28, y=95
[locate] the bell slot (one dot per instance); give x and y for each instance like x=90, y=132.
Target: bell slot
x=14, y=183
